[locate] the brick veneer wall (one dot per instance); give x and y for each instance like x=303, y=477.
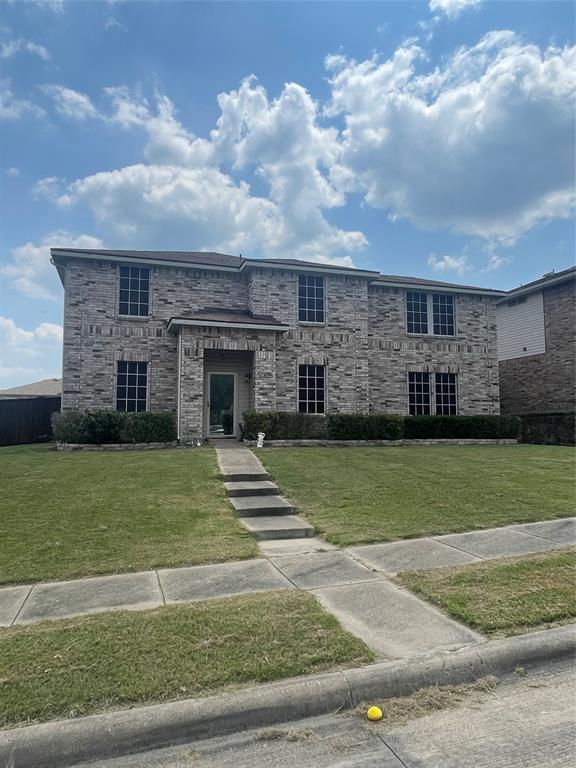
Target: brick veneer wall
x=545, y=383
x=471, y=353
x=364, y=344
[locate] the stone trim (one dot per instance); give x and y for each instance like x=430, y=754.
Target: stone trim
x=116, y=446
x=378, y=443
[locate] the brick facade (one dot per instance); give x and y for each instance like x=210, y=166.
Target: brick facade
x=546, y=383
x=363, y=343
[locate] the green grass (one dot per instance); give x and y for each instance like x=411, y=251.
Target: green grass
x=65, y=515
x=504, y=597
x=74, y=667
x=363, y=495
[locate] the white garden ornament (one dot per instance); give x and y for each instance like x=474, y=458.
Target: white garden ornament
x=260, y=441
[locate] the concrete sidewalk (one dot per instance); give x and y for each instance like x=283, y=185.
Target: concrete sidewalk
x=352, y=584
x=471, y=547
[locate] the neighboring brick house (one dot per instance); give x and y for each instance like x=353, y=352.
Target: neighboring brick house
x=208, y=336
x=537, y=346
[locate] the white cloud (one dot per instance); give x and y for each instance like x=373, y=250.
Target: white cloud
x=183, y=190
x=30, y=271
x=452, y=8
x=12, y=108
x=458, y=264
x=69, y=103
x=29, y=354
x=12, y=172
x=482, y=145
x=10, y=48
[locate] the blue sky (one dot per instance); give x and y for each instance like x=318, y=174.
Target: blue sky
x=424, y=138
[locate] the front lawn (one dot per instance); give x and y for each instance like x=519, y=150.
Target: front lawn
x=65, y=515
x=503, y=597
x=80, y=666
x=363, y=495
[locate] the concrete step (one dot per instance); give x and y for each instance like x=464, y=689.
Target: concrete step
x=278, y=527
x=256, y=506
x=245, y=477
x=255, y=488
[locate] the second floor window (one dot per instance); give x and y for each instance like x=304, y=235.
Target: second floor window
x=131, y=386
x=134, y=291
x=310, y=299
x=417, y=312
x=430, y=313
x=311, y=389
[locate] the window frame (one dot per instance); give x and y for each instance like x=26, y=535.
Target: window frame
x=430, y=296
x=307, y=401
x=126, y=385
x=307, y=276
x=438, y=393
x=430, y=396
x=120, y=289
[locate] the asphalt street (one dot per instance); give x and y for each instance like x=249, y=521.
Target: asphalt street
x=528, y=721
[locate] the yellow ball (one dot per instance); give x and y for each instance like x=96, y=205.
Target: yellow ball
x=374, y=713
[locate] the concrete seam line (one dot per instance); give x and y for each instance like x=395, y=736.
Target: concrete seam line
x=69, y=742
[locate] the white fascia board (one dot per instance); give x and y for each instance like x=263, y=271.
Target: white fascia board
x=150, y=262
x=438, y=288
x=224, y=324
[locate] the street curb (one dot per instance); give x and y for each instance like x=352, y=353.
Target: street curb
x=97, y=737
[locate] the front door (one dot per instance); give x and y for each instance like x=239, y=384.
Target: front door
x=221, y=399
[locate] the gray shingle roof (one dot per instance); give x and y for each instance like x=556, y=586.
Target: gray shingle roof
x=186, y=257
x=424, y=281
x=225, y=261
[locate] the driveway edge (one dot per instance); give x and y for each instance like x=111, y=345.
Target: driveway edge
x=97, y=737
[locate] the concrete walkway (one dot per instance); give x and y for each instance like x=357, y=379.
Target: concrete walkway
x=257, y=501
x=350, y=584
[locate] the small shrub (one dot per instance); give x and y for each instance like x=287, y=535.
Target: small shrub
x=461, y=427
x=279, y=425
x=68, y=427
x=105, y=426
x=147, y=427
x=365, y=427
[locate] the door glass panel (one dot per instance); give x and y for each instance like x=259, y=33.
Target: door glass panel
x=221, y=404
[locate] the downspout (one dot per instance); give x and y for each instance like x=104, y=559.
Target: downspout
x=179, y=389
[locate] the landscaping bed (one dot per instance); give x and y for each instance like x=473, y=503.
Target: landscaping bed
x=365, y=495
x=79, y=666
x=67, y=514
x=504, y=597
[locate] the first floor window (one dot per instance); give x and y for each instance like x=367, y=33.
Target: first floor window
x=419, y=394
x=445, y=391
x=134, y=295
x=131, y=386
x=311, y=389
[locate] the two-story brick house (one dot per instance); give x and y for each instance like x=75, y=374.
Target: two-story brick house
x=208, y=336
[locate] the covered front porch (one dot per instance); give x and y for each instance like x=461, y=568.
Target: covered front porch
x=226, y=365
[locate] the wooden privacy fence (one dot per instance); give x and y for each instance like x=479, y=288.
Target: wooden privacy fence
x=26, y=420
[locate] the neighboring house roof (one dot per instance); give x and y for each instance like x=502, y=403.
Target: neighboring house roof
x=230, y=318
x=547, y=280
x=44, y=388
x=221, y=261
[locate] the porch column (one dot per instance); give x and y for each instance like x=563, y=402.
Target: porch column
x=190, y=388
x=265, y=380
